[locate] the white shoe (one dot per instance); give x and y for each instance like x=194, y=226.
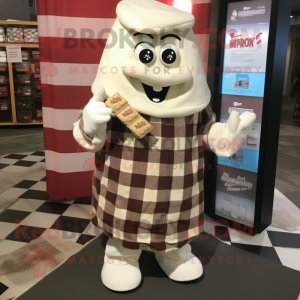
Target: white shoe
x=121, y=270
x=180, y=264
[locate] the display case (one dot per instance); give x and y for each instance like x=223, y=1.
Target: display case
x=249, y=43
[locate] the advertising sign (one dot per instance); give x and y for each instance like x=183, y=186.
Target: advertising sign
x=14, y=54
x=243, y=85
x=236, y=194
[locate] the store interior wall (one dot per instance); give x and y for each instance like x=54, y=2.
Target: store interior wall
x=292, y=52
x=22, y=10
x=292, y=61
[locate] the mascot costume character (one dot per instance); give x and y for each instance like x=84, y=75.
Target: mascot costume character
x=148, y=192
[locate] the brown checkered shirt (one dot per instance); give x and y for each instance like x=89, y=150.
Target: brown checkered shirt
x=148, y=193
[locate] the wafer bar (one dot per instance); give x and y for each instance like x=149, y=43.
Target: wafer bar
x=129, y=116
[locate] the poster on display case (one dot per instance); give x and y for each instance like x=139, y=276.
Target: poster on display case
x=246, y=45
x=243, y=86
x=236, y=194
x=247, y=156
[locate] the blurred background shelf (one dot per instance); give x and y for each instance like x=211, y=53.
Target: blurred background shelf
x=32, y=123
x=22, y=23
x=27, y=45
x=31, y=90
x=6, y=123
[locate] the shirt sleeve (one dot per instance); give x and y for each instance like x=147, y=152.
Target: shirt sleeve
x=207, y=119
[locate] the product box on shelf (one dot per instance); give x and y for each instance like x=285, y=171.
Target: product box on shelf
x=22, y=67
x=24, y=90
x=2, y=34
x=4, y=104
x=39, y=115
x=23, y=79
x=3, y=66
x=36, y=54
x=15, y=35
x=35, y=66
x=24, y=116
x=3, y=80
x=25, y=55
x=38, y=83
x=23, y=103
x=31, y=35
x=3, y=91
x=3, y=56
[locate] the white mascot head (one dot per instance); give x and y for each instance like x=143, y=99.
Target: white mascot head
x=152, y=60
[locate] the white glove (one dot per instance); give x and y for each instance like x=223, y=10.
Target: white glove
x=95, y=116
x=225, y=139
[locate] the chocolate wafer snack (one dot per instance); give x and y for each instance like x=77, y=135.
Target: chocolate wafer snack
x=129, y=116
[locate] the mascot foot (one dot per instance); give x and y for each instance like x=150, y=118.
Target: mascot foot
x=180, y=264
x=121, y=270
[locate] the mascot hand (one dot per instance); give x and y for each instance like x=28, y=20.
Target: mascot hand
x=225, y=139
x=95, y=116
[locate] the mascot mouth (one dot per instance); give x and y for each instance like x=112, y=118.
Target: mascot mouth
x=156, y=94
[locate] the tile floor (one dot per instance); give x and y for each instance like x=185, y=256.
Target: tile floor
x=32, y=216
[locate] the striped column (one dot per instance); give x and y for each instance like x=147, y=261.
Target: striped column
x=72, y=35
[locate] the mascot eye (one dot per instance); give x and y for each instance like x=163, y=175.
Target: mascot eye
x=144, y=52
x=169, y=54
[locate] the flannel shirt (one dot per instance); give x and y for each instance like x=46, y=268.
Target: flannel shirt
x=148, y=193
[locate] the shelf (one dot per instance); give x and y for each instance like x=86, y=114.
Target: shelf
x=6, y=123
x=5, y=22
x=32, y=123
x=19, y=124
x=21, y=45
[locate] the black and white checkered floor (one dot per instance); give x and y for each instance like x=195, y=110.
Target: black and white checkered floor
x=31, y=216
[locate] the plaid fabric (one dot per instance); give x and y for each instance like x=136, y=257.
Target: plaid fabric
x=148, y=193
